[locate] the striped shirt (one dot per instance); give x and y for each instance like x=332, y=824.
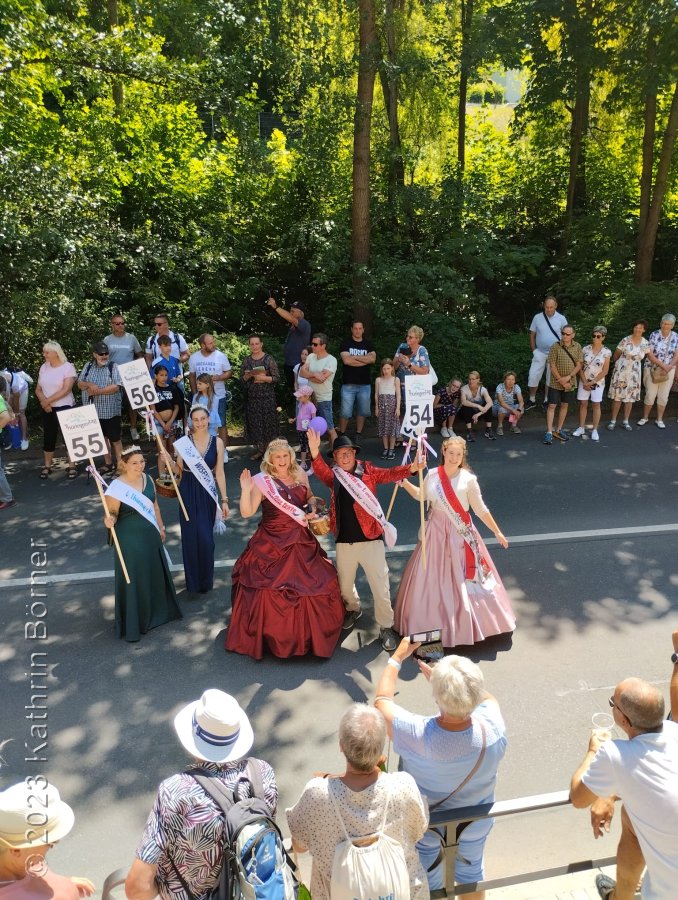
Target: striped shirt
x=186, y=823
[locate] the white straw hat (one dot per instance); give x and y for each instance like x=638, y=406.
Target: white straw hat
x=33, y=824
x=214, y=728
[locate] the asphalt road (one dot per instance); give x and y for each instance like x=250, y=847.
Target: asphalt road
x=591, y=570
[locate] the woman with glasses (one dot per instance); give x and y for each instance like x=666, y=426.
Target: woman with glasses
x=626, y=375
x=592, y=382
x=259, y=374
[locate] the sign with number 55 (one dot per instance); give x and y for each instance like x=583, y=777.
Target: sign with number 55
x=137, y=383
x=82, y=432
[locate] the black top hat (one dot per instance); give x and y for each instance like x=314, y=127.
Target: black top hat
x=343, y=441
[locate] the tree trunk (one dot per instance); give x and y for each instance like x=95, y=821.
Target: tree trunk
x=576, y=187
x=112, y=8
x=390, y=78
x=465, y=68
x=648, y=237
x=360, y=217
x=649, y=132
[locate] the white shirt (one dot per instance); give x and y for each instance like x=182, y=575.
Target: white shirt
x=643, y=772
x=322, y=391
x=178, y=345
x=215, y=363
x=544, y=337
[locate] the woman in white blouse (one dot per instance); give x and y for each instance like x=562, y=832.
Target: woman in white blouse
x=460, y=589
x=357, y=803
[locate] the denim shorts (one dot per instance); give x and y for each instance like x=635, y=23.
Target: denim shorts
x=223, y=410
x=324, y=410
x=355, y=397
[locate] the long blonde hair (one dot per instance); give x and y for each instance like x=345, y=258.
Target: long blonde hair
x=57, y=348
x=277, y=446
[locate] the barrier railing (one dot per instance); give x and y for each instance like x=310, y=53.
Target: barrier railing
x=454, y=821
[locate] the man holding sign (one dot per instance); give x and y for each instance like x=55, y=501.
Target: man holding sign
x=360, y=527
x=100, y=383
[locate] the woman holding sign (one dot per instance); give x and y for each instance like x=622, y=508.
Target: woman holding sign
x=460, y=591
x=285, y=595
x=150, y=599
x=200, y=463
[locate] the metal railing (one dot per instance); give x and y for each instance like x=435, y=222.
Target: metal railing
x=454, y=821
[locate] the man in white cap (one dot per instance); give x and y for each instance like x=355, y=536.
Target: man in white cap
x=185, y=828
x=24, y=873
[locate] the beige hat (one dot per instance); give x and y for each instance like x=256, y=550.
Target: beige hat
x=33, y=816
x=214, y=728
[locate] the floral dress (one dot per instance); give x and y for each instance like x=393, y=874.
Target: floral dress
x=626, y=376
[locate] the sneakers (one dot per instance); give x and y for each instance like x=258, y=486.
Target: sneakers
x=500, y=431
x=611, y=425
x=134, y=434
x=358, y=439
x=641, y=422
x=444, y=433
x=530, y=404
x=8, y=504
x=561, y=435
x=658, y=423
x=470, y=437
x=351, y=616
x=388, y=638
x=515, y=429
x=24, y=445
x=578, y=432
x=626, y=426
x=489, y=434
x=384, y=454
x=390, y=454
x=605, y=885
x=594, y=435
x=548, y=438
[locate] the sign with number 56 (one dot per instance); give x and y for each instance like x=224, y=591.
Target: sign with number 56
x=137, y=383
x=82, y=432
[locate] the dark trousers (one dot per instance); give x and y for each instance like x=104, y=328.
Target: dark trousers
x=50, y=428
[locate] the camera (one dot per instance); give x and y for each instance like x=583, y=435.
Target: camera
x=431, y=649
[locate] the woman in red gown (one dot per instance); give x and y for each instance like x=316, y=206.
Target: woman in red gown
x=285, y=595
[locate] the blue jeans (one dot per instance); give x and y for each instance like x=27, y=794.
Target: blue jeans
x=5, y=489
x=223, y=410
x=355, y=397
x=469, y=863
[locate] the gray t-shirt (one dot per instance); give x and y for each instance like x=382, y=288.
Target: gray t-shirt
x=544, y=337
x=123, y=348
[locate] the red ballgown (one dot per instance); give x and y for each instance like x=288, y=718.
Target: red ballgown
x=285, y=595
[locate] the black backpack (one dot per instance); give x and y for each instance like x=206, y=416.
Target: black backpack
x=255, y=864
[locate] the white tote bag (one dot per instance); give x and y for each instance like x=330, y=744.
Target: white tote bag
x=368, y=867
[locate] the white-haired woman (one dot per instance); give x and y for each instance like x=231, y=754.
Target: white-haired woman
x=357, y=803
x=592, y=380
x=285, y=594
x=54, y=391
x=453, y=756
x=660, y=369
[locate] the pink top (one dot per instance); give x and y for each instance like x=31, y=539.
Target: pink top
x=51, y=380
x=49, y=887
x=305, y=413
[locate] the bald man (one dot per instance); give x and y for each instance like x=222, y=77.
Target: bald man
x=642, y=772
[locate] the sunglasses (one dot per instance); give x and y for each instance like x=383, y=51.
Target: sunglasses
x=102, y=354
x=316, y=344
x=613, y=705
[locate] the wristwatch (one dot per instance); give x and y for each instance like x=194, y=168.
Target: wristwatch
x=674, y=658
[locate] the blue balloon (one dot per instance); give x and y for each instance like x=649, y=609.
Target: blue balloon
x=318, y=424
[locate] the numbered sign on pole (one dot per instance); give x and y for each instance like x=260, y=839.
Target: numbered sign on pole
x=82, y=432
x=137, y=383
x=418, y=405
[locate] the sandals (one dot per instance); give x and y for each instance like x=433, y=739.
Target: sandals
x=71, y=473
x=45, y=472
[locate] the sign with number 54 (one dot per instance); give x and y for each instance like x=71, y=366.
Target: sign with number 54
x=137, y=383
x=82, y=432
x=418, y=404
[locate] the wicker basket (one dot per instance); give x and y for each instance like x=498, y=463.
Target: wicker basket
x=321, y=525
x=165, y=488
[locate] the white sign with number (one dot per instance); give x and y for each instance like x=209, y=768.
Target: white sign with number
x=418, y=405
x=137, y=383
x=82, y=432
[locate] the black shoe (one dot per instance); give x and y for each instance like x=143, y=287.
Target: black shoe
x=489, y=434
x=470, y=437
x=358, y=439
x=384, y=454
x=530, y=404
x=351, y=616
x=388, y=638
x=605, y=885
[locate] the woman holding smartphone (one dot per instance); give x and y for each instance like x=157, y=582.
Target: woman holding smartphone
x=460, y=590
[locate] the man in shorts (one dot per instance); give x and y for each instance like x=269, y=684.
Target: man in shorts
x=209, y=360
x=357, y=357
x=100, y=384
x=320, y=368
x=565, y=360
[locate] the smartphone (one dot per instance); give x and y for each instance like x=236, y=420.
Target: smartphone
x=404, y=350
x=431, y=649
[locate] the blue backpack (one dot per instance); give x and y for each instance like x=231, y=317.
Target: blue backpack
x=255, y=864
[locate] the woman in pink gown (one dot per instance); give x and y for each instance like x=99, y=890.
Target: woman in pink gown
x=460, y=589
x=285, y=595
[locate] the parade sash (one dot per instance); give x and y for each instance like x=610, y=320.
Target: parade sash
x=365, y=498
x=476, y=564
x=199, y=468
x=134, y=499
x=269, y=489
